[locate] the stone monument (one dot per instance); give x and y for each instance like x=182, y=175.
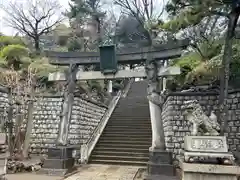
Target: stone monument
x=205, y=154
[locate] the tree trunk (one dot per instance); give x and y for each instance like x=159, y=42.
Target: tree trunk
x=10, y=124
x=224, y=74
x=17, y=140
x=37, y=44
x=29, y=127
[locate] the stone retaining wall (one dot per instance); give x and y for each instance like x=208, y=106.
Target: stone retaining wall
x=46, y=118
x=3, y=105
x=86, y=115
x=85, y=118
x=176, y=126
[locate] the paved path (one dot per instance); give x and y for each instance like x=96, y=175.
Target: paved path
x=104, y=172
x=29, y=176
x=87, y=172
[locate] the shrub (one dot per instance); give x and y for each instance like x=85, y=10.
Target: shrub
x=8, y=40
x=74, y=44
x=13, y=54
x=62, y=40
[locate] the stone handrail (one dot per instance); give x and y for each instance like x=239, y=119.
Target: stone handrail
x=86, y=149
x=127, y=88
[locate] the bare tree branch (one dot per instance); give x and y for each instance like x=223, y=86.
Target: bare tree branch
x=144, y=12
x=34, y=18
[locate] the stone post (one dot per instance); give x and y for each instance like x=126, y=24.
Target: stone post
x=60, y=159
x=109, y=86
x=164, y=84
x=158, y=139
x=160, y=161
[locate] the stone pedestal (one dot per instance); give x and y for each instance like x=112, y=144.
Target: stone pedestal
x=208, y=171
x=160, y=163
x=59, y=162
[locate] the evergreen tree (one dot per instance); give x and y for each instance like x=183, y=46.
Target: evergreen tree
x=187, y=13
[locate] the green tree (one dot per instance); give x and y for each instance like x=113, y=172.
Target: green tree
x=81, y=10
x=13, y=55
x=191, y=12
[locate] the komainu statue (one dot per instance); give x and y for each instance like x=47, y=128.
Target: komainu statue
x=203, y=125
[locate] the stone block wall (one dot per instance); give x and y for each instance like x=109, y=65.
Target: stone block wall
x=176, y=125
x=46, y=117
x=3, y=105
x=85, y=117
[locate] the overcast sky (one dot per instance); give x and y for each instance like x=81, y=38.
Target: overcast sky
x=9, y=31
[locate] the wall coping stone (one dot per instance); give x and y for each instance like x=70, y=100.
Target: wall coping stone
x=206, y=93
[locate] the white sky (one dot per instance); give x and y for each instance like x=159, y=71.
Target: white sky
x=9, y=31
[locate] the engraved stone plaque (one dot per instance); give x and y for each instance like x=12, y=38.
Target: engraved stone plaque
x=206, y=144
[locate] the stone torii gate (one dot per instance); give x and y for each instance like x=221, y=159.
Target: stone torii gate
x=109, y=59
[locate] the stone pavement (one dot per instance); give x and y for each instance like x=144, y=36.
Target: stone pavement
x=104, y=172
x=87, y=172
x=28, y=176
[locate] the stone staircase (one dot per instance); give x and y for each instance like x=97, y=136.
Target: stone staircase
x=127, y=136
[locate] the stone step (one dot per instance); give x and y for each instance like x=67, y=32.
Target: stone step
x=126, y=135
x=129, y=108
x=136, y=122
x=129, y=120
x=121, y=153
x=131, y=142
x=131, y=115
x=136, y=126
x=145, y=146
x=125, y=138
x=134, y=105
x=128, y=149
x=125, y=115
x=124, y=158
x=129, y=128
x=140, y=120
x=129, y=124
x=117, y=162
x=127, y=132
